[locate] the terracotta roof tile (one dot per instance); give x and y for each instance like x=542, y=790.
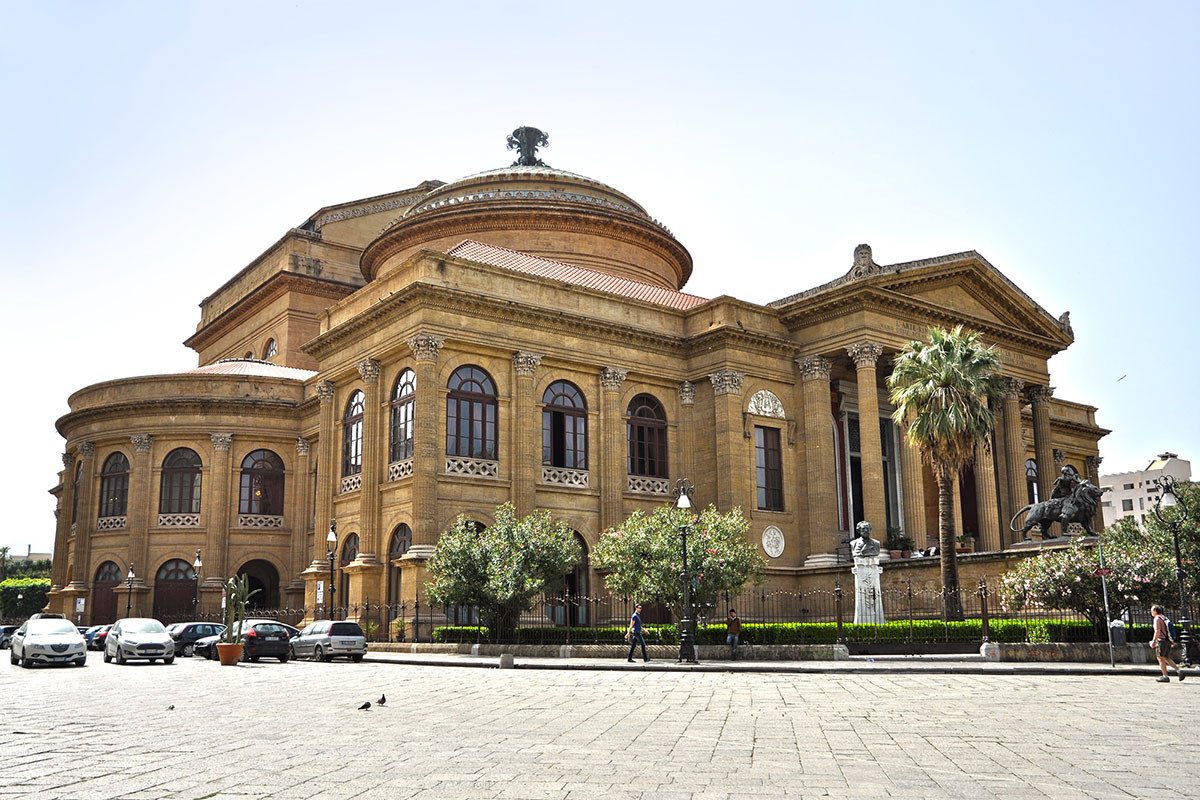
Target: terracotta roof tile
x=252, y=367
x=569, y=273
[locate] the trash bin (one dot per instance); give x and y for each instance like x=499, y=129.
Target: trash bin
x=1116, y=630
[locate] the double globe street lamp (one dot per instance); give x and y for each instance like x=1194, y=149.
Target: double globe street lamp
x=687, y=637
x=129, y=593
x=1173, y=522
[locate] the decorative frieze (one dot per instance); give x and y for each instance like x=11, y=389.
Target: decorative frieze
x=611, y=378
x=687, y=393
x=426, y=346
x=814, y=368
x=864, y=354
x=475, y=467
x=260, y=521
x=726, y=381
x=351, y=483
x=221, y=441
x=141, y=442
x=765, y=403
x=325, y=391
x=643, y=485
x=179, y=520
x=303, y=446
x=525, y=364
x=110, y=523
x=369, y=370
x=557, y=476
x=400, y=469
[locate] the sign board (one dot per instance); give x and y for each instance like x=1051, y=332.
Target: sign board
x=320, y=591
x=79, y=605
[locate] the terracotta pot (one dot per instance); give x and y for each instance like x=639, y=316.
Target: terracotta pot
x=906, y=553
x=894, y=553
x=229, y=654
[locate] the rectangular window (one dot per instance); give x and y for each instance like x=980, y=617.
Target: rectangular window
x=1128, y=486
x=768, y=468
x=1127, y=505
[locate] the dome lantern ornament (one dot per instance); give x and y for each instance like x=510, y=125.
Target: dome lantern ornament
x=527, y=140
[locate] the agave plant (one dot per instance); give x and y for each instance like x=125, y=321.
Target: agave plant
x=237, y=595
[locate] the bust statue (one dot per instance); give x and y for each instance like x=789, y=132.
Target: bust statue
x=864, y=546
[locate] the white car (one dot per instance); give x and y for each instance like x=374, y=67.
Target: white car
x=47, y=641
x=139, y=638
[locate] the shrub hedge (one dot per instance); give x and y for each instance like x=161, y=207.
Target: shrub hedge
x=35, y=591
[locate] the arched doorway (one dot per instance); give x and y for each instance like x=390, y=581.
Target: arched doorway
x=576, y=585
x=349, y=553
x=400, y=542
x=174, y=590
x=263, y=580
x=104, y=598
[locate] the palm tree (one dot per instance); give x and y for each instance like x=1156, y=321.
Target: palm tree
x=941, y=390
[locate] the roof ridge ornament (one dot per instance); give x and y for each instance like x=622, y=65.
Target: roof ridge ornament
x=864, y=264
x=527, y=140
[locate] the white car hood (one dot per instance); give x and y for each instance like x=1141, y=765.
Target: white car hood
x=147, y=638
x=50, y=639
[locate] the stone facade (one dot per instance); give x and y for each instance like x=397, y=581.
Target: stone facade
x=526, y=279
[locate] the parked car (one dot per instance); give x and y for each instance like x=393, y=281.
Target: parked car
x=293, y=632
x=186, y=634
x=46, y=615
x=6, y=633
x=259, y=637
x=138, y=638
x=326, y=639
x=99, y=636
x=47, y=641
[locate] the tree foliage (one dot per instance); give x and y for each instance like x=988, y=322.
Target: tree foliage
x=36, y=593
x=502, y=567
x=645, y=560
x=1142, y=560
x=941, y=390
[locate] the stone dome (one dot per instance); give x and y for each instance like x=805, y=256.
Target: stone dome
x=540, y=210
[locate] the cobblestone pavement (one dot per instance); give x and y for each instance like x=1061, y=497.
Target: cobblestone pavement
x=292, y=730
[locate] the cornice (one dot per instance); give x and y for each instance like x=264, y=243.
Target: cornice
x=726, y=337
x=183, y=405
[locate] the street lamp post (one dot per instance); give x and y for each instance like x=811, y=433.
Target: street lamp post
x=197, y=565
x=129, y=593
x=1167, y=499
x=331, y=540
x=687, y=637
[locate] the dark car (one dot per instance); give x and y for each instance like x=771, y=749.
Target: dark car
x=6, y=633
x=259, y=637
x=98, y=637
x=186, y=634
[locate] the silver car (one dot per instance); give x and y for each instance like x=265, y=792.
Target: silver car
x=47, y=641
x=139, y=638
x=326, y=639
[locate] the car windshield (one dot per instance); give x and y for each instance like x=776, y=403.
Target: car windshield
x=41, y=627
x=142, y=626
x=345, y=629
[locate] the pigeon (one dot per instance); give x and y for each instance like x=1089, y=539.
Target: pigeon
x=364, y=706
x=382, y=701
x=170, y=708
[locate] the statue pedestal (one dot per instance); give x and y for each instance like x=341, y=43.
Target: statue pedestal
x=868, y=598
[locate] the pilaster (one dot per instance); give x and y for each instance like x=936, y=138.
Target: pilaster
x=326, y=472
x=687, y=430
x=820, y=467
x=1000, y=462
x=732, y=472
x=864, y=355
x=374, y=456
x=526, y=430
x=302, y=524
x=138, y=504
x=85, y=520
x=425, y=348
x=614, y=469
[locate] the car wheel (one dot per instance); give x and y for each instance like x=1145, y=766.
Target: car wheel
x=12, y=657
x=357, y=658
x=27, y=663
x=81, y=662
x=107, y=657
x=211, y=653
x=120, y=657
x=153, y=660
x=189, y=650
x=169, y=660
x=255, y=659
x=283, y=659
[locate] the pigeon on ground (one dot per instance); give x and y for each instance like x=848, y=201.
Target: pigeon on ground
x=382, y=701
x=364, y=707
x=170, y=708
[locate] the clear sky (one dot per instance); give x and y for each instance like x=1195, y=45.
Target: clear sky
x=150, y=150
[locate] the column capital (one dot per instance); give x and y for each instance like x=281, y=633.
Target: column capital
x=426, y=346
x=68, y=459
x=814, y=368
x=302, y=446
x=221, y=442
x=865, y=354
x=611, y=378
x=1040, y=394
x=369, y=370
x=1092, y=463
x=525, y=364
x=726, y=381
x=687, y=393
x=1012, y=388
x=87, y=449
x=141, y=442
x=1059, y=457
x=325, y=391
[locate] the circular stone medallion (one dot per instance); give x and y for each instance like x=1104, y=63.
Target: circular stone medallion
x=772, y=541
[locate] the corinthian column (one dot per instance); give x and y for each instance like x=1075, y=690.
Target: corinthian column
x=1014, y=445
x=912, y=473
x=821, y=466
x=687, y=430
x=138, y=520
x=85, y=520
x=1091, y=465
x=218, y=510
x=326, y=475
x=1043, y=446
x=374, y=455
x=614, y=468
x=985, y=498
x=865, y=354
x=425, y=348
x=526, y=432
x=733, y=474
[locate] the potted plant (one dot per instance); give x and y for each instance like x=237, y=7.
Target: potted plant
x=966, y=543
x=237, y=594
x=399, y=630
x=898, y=545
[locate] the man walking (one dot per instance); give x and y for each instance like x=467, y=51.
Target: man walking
x=1162, y=643
x=733, y=629
x=634, y=634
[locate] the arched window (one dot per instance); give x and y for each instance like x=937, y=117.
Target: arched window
x=349, y=549
x=564, y=426
x=179, y=491
x=114, y=486
x=400, y=542
x=471, y=415
x=647, y=428
x=262, y=484
x=352, y=435
x=108, y=573
x=75, y=491
x=349, y=553
x=404, y=396
x=175, y=570
x=270, y=351
x=1031, y=479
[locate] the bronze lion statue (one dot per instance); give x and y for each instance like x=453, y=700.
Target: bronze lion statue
x=1078, y=506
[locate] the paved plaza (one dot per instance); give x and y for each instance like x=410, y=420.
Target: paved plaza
x=292, y=730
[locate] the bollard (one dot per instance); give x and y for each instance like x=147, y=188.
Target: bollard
x=506, y=661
